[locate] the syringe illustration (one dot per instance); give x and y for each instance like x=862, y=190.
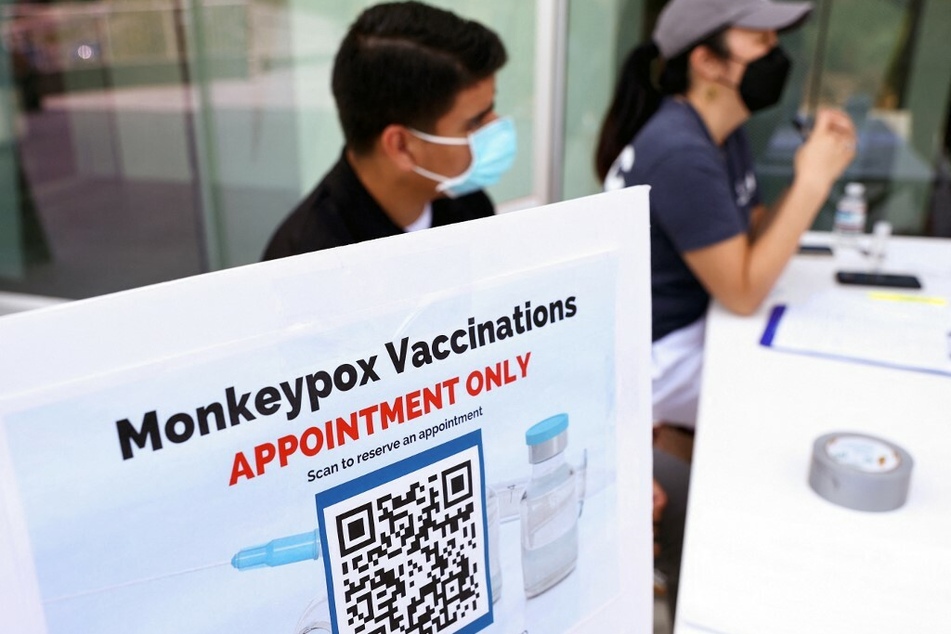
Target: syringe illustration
x=306, y=546
x=279, y=552
x=288, y=550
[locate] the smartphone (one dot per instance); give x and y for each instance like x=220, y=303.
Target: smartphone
x=890, y=280
x=815, y=249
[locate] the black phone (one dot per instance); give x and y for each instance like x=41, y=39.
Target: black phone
x=815, y=249
x=890, y=280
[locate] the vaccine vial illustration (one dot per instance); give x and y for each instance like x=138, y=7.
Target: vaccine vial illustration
x=316, y=618
x=549, y=508
x=495, y=564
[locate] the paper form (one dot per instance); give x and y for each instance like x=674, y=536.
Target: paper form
x=903, y=330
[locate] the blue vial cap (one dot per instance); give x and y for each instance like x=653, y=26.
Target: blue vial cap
x=546, y=430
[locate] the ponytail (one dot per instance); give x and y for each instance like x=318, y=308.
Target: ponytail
x=635, y=100
x=637, y=96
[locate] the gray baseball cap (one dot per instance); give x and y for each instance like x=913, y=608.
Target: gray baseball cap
x=685, y=22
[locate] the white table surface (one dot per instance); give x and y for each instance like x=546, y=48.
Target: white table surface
x=764, y=553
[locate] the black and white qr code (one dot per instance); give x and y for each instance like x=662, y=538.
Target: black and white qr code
x=405, y=548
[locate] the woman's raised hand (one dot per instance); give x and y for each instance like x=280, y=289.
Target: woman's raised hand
x=829, y=149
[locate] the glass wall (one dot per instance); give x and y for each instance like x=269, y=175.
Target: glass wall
x=886, y=62
x=100, y=148
x=147, y=140
x=601, y=32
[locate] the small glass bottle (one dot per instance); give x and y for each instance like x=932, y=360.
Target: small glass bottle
x=878, y=249
x=549, y=508
x=850, y=213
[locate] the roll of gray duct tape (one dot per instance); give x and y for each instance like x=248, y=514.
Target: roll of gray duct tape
x=860, y=472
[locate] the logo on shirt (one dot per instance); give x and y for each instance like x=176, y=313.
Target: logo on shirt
x=745, y=188
x=622, y=164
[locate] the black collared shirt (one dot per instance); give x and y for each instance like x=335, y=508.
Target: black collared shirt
x=341, y=211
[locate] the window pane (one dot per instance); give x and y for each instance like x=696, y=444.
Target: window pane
x=106, y=196
x=886, y=63
x=147, y=140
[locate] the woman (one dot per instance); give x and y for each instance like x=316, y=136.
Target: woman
x=675, y=124
x=710, y=235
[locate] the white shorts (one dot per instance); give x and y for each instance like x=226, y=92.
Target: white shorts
x=676, y=367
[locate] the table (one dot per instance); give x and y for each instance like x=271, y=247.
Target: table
x=17, y=302
x=763, y=552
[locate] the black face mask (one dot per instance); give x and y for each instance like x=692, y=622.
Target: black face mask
x=764, y=79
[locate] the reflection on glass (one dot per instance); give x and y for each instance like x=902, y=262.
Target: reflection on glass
x=147, y=140
x=873, y=58
x=107, y=195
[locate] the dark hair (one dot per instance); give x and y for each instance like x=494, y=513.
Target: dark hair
x=637, y=96
x=405, y=62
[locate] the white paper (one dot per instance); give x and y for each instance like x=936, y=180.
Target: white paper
x=902, y=330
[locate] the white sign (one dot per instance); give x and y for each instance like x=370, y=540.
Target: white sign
x=446, y=431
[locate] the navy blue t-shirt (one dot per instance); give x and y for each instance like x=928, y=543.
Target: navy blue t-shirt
x=701, y=194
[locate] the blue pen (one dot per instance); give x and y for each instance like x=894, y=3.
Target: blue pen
x=278, y=552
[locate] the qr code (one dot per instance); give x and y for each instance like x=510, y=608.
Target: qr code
x=405, y=549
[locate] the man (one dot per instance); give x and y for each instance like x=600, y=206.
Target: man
x=415, y=93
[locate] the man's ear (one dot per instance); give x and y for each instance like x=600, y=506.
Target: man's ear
x=395, y=142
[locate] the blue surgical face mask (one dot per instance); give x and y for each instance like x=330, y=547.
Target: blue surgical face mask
x=493, y=148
